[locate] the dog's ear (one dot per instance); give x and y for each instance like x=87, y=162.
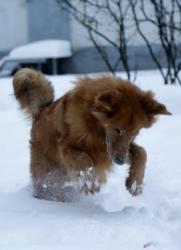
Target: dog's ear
x=151, y=106
x=106, y=103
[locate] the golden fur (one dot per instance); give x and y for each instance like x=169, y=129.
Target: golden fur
x=77, y=137
x=32, y=99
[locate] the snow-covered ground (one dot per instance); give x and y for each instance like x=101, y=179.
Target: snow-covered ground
x=112, y=219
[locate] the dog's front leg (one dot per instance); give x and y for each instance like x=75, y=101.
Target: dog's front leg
x=137, y=156
x=80, y=166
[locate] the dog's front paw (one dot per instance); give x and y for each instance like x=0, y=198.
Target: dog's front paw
x=87, y=181
x=133, y=187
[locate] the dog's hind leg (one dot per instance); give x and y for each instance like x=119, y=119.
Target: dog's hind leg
x=134, y=181
x=53, y=186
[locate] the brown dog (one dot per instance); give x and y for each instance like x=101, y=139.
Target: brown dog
x=77, y=137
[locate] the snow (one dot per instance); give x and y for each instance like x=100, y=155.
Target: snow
x=42, y=49
x=2, y=60
x=112, y=219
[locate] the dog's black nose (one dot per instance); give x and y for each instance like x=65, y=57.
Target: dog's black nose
x=119, y=161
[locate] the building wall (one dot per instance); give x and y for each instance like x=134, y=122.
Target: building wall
x=108, y=27
x=32, y=20
x=46, y=20
x=88, y=60
x=13, y=24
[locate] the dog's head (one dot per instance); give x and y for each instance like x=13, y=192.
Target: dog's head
x=123, y=111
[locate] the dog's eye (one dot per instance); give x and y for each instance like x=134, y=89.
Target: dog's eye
x=119, y=131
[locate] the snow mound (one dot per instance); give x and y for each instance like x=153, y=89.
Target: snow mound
x=42, y=49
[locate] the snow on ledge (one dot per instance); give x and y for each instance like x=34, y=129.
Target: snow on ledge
x=42, y=49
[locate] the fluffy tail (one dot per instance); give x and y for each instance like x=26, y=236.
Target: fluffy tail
x=32, y=90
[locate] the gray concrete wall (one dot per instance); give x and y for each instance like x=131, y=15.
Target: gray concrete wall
x=108, y=27
x=88, y=60
x=13, y=24
x=46, y=20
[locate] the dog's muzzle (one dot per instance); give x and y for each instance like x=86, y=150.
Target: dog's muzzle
x=117, y=157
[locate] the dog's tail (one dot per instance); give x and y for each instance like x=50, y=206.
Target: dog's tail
x=32, y=90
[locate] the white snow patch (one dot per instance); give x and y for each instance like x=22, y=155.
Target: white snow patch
x=42, y=49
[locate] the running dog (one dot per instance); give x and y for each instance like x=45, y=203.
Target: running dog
x=76, y=138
